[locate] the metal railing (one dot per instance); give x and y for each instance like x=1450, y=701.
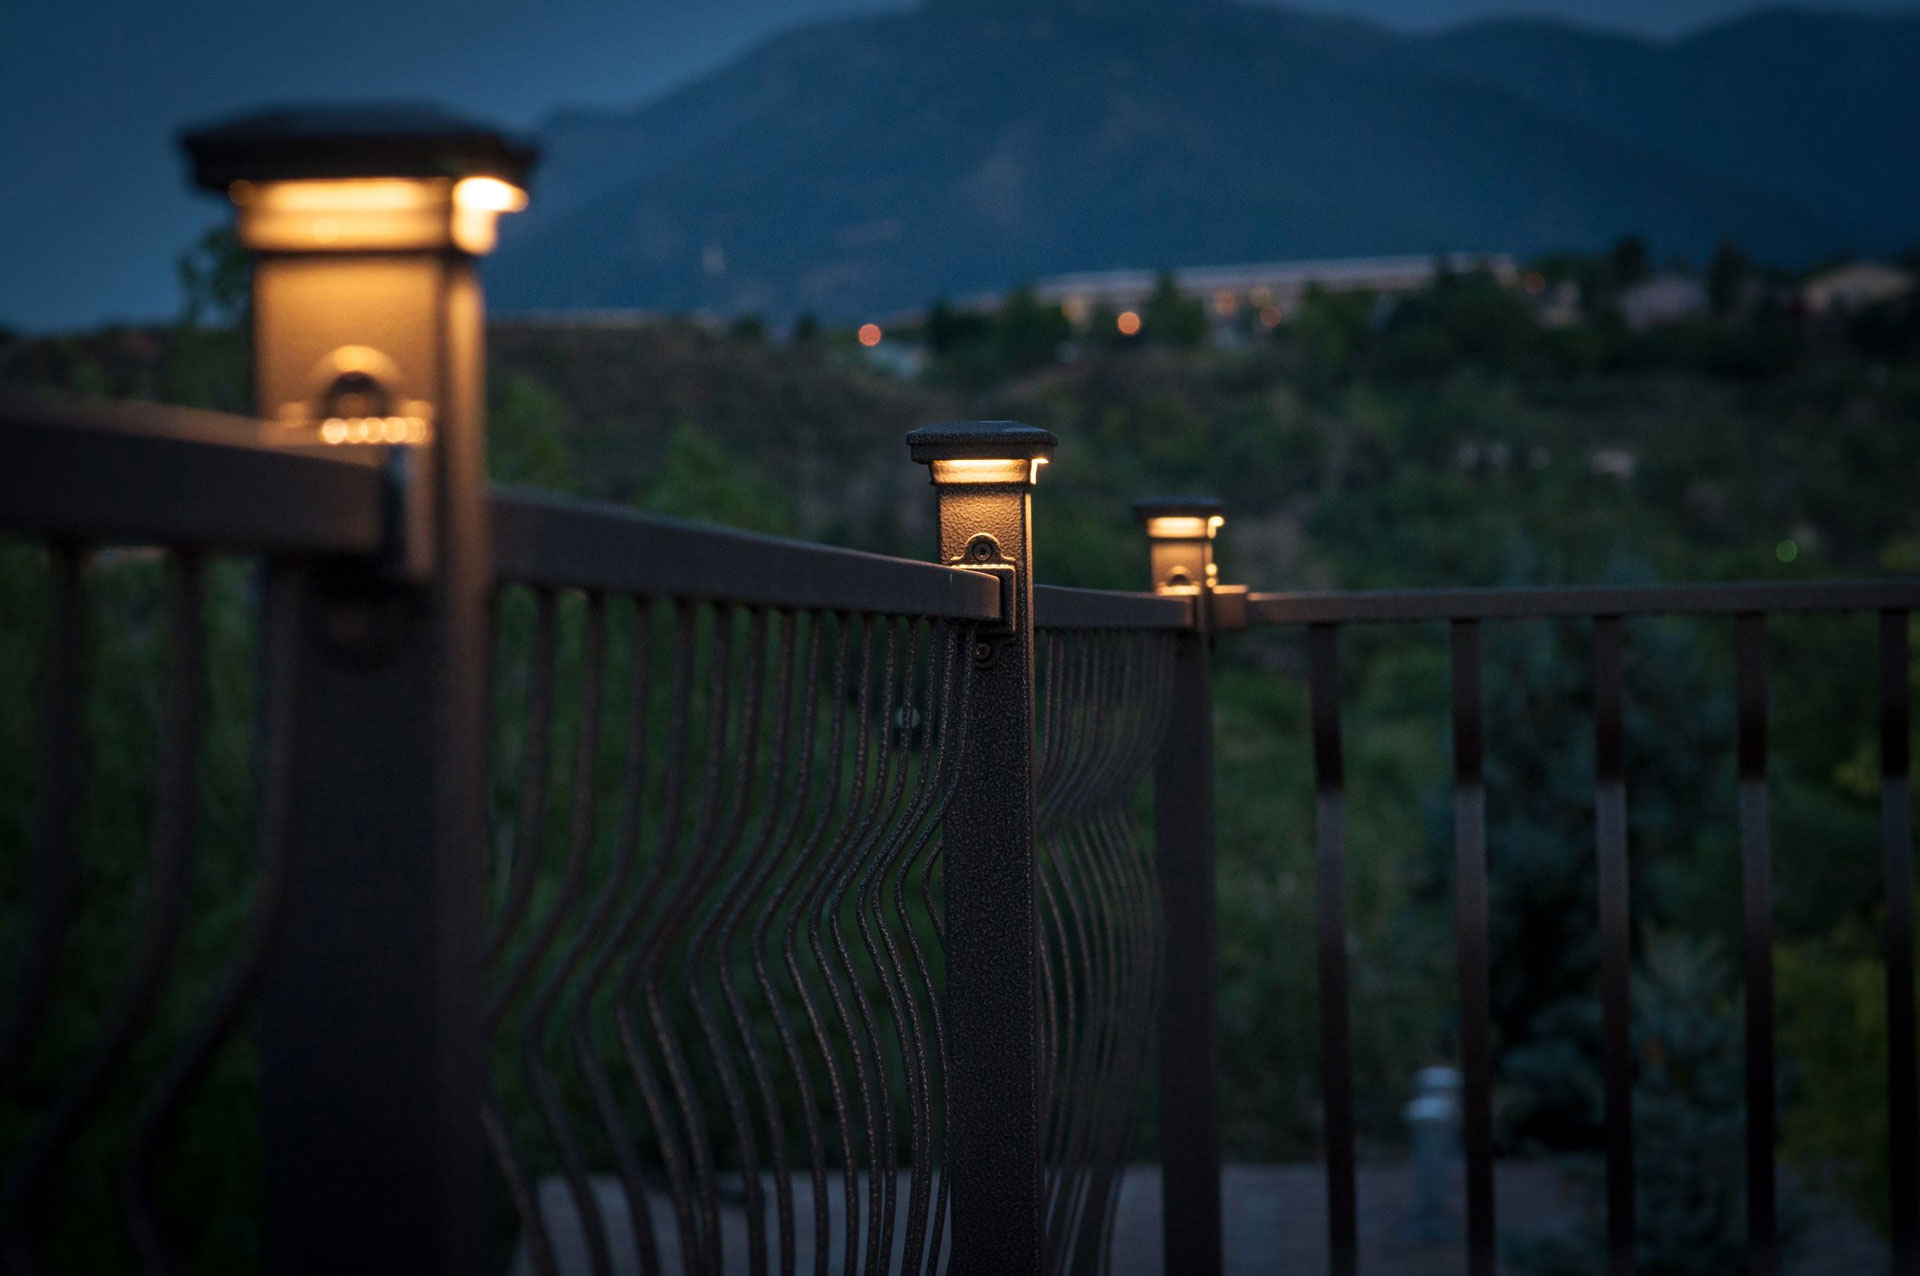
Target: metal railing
x=1747, y=606
x=704, y=979
x=747, y=904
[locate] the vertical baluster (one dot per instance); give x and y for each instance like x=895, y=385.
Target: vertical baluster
x=1756, y=882
x=55, y=875
x=1896, y=842
x=1610, y=850
x=1470, y=851
x=1330, y=900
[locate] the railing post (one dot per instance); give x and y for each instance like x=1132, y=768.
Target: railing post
x=1180, y=532
x=983, y=473
x=368, y=329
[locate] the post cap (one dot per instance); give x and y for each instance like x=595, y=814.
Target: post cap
x=1180, y=517
x=981, y=440
x=399, y=139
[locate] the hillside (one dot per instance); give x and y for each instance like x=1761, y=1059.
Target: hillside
x=864, y=165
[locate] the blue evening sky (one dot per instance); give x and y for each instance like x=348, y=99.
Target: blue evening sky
x=92, y=93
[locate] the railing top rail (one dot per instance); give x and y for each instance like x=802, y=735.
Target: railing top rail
x=1057, y=607
x=102, y=472
x=1392, y=606
x=561, y=543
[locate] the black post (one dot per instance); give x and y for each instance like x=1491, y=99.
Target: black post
x=1181, y=535
x=983, y=472
x=368, y=328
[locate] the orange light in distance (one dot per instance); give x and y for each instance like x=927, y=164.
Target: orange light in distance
x=1128, y=323
x=1270, y=317
x=870, y=334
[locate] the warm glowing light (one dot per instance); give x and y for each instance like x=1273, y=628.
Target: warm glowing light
x=1270, y=316
x=373, y=429
x=477, y=204
x=489, y=194
x=1183, y=527
x=373, y=213
x=980, y=470
x=1128, y=323
x=1535, y=282
x=1225, y=304
x=1260, y=295
x=870, y=335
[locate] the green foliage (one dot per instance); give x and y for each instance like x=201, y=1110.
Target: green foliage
x=1171, y=318
x=216, y=279
x=700, y=478
x=527, y=435
x=1832, y=994
x=1689, y=1110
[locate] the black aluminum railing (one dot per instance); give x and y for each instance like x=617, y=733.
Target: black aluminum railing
x=1747, y=606
x=739, y=936
x=706, y=945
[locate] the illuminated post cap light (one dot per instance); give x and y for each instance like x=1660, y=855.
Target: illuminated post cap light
x=365, y=221
x=982, y=453
x=1180, y=536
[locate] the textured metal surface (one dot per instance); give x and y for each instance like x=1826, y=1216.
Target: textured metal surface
x=995, y=1108
x=1330, y=918
x=1471, y=922
x=723, y=987
x=1756, y=893
x=1896, y=842
x=1104, y=704
x=1389, y=605
x=556, y=542
x=1615, y=935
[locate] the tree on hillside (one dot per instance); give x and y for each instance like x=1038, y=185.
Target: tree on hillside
x=1172, y=318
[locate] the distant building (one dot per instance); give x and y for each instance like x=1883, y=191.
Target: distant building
x=1855, y=286
x=1273, y=290
x=1662, y=299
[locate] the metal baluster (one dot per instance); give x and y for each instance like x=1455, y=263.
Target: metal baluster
x=1330, y=907
x=1756, y=891
x=1896, y=843
x=612, y=937
x=1616, y=1022
x=545, y=1003
x=158, y=1122
x=1470, y=921
x=30, y=1195
x=55, y=879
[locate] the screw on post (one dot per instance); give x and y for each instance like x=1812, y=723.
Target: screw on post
x=983, y=473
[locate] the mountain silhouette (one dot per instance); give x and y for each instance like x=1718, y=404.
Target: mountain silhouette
x=869, y=164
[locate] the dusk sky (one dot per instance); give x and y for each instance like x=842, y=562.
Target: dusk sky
x=94, y=92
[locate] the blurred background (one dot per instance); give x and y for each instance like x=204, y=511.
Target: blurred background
x=1431, y=294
